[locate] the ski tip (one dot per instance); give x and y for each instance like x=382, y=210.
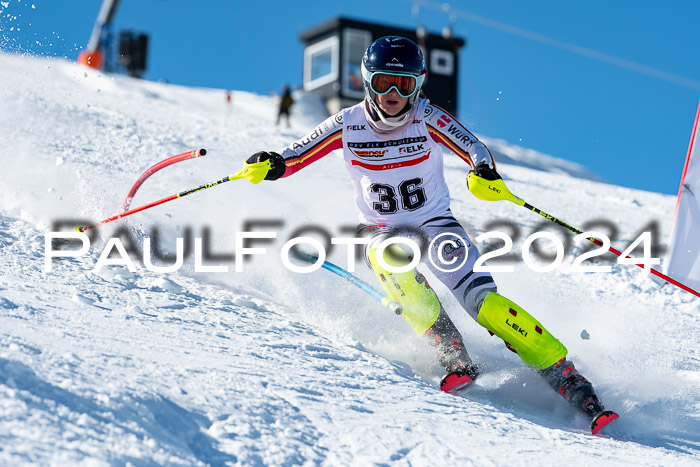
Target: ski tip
x=453, y=383
x=602, y=420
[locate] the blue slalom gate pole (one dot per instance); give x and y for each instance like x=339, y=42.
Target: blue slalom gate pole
x=386, y=301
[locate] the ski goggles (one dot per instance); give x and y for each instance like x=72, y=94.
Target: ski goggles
x=381, y=82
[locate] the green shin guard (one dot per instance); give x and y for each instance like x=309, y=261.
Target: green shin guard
x=419, y=304
x=521, y=332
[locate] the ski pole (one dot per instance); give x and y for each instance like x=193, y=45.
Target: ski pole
x=254, y=173
x=496, y=190
x=155, y=168
x=386, y=301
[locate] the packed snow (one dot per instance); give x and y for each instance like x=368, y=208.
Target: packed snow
x=271, y=367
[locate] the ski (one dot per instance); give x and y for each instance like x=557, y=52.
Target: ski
x=452, y=383
x=602, y=420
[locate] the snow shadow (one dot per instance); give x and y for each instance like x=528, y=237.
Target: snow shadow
x=174, y=429
x=173, y=425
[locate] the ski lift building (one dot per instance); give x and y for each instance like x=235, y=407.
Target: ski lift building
x=333, y=53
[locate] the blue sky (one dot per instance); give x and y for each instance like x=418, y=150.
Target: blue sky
x=612, y=85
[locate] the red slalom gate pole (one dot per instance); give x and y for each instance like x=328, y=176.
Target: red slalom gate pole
x=156, y=203
x=155, y=168
x=663, y=276
x=254, y=173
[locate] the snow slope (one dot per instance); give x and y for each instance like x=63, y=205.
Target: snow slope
x=270, y=367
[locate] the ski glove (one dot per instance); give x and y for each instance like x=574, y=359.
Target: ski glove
x=486, y=184
x=277, y=165
x=486, y=172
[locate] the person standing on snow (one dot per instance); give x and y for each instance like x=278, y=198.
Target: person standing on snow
x=391, y=146
x=286, y=102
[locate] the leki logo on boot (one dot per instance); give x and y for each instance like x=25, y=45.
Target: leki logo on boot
x=516, y=327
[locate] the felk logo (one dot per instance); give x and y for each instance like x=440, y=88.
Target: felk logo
x=355, y=128
x=411, y=149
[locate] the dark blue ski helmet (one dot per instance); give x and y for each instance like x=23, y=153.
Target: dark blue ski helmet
x=393, y=55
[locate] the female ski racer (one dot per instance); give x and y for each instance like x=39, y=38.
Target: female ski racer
x=391, y=146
